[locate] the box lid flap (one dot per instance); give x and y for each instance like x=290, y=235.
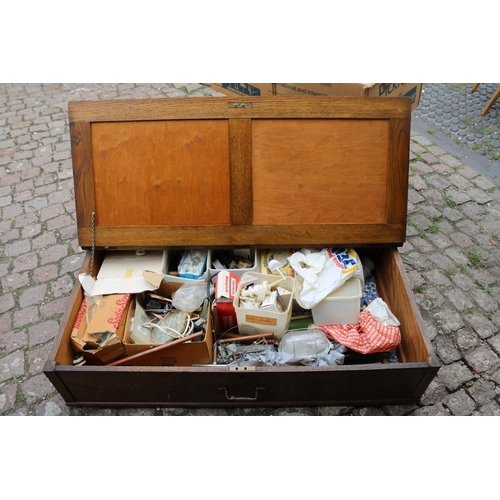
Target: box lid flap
x=266, y=171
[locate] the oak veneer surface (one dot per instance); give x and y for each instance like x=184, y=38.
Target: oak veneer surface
x=171, y=173
x=320, y=171
x=201, y=173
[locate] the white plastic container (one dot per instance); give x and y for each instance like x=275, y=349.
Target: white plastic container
x=245, y=252
x=264, y=320
x=341, y=307
x=171, y=262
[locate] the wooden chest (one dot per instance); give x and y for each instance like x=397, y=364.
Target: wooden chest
x=245, y=172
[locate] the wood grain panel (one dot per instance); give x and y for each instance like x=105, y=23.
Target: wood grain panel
x=82, y=173
x=161, y=173
x=239, y=235
x=320, y=171
x=261, y=107
x=397, y=181
x=240, y=140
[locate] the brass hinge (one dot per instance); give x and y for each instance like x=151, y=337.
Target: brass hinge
x=240, y=104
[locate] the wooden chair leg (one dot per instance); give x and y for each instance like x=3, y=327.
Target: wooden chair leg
x=475, y=87
x=492, y=100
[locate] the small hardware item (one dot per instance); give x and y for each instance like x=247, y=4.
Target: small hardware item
x=155, y=303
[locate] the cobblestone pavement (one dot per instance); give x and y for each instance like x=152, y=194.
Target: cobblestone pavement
x=452, y=253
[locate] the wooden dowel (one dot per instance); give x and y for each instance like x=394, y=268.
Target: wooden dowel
x=245, y=338
x=156, y=349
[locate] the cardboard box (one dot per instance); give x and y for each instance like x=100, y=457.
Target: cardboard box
x=281, y=255
x=244, y=89
x=100, y=340
x=226, y=285
x=187, y=354
x=412, y=90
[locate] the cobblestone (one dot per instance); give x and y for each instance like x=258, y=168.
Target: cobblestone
x=452, y=252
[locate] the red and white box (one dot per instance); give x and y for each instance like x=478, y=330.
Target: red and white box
x=226, y=285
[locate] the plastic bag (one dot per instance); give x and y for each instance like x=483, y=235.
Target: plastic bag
x=190, y=296
x=378, y=333
x=381, y=312
x=319, y=273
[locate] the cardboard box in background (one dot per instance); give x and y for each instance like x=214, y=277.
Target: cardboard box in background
x=320, y=89
x=412, y=90
x=244, y=89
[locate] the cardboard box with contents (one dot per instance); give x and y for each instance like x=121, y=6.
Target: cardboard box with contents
x=197, y=351
x=411, y=90
x=98, y=330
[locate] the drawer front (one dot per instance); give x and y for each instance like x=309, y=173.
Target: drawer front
x=364, y=385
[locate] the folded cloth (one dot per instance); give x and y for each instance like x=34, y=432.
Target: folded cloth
x=365, y=337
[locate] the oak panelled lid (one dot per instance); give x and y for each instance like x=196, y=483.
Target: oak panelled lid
x=265, y=171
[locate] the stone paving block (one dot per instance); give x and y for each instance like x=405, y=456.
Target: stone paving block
x=449, y=320
x=53, y=407
x=483, y=360
x=457, y=197
x=454, y=375
x=439, y=240
x=447, y=350
x=484, y=300
x=12, y=366
x=460, y=403
x=479, y=196
x=483, y=391
x=461, y=240
x=466, y=340
x=8, y=397
x=437, y=410
x=36, y=388
x=460, y=182
x=450, y=160
x=484, y=183
x=481, y=325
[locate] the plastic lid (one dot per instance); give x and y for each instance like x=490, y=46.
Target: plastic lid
x=308, y=342
x=351, y=288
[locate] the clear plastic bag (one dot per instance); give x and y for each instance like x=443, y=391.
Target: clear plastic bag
x=190, y=296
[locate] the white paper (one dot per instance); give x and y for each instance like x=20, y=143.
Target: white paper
x=124, y=272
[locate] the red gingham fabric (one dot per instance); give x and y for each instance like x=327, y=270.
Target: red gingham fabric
x=365, y=337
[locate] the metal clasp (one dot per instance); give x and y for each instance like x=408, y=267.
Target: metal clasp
x=240, y=104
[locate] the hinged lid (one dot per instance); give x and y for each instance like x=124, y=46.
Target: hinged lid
x=265, y=171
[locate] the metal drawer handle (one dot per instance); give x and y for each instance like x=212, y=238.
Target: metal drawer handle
x=236, y=398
